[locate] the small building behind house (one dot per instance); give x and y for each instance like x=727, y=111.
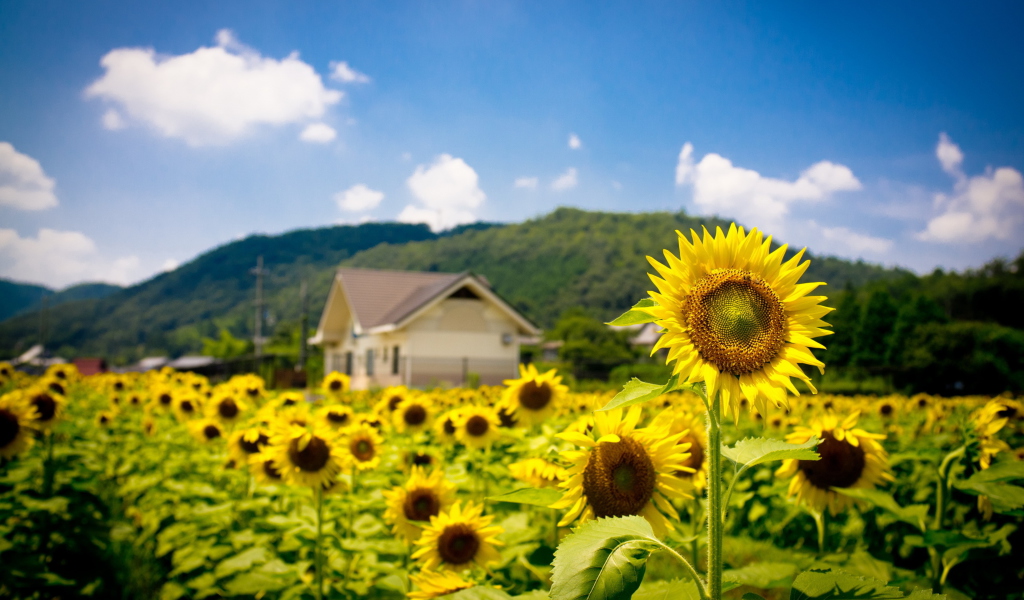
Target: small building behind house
x=419, y=329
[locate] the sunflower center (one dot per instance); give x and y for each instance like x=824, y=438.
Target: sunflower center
x=458, y=544
x=165, y=399
x=271, y=472
x=449, y=426
x=57, y=387
x=477, y=426
x=335, y=385
x=227, y=408
x=886, y=410
x=507, y=418
x=252, y=447
x=393, y=402
x=422, y=459
x=841, y=464
x=339, y=418
x=9, y=427
x=421, y=504
x=736, y=321
x=619, y=478
x=534, y=396
x=415, y=415
x=118, y=386
x=362, y=449
x=211, y=432
x=313, y=457
x=186, y=406
x=45, y=405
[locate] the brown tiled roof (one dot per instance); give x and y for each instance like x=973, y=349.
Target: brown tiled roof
x=384, y=297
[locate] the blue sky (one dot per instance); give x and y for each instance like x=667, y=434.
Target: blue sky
x=135, y=136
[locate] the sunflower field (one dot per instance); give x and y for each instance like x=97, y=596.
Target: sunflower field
x=733, y=479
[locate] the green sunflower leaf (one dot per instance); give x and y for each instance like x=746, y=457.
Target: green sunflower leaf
x=755, y=451
x=915, y=514
x=603, y=560
x=480, y=592
x=638, y=392
x=1004, y=496
x=1001, y=471
x=677, y=589
x=835, y=584
x=635, y=315
x=532, y=496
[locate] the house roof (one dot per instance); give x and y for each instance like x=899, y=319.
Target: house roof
x=381, y=298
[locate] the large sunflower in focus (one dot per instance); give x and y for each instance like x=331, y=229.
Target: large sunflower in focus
x=459, y=539
x=850, y=458
x=533, y=397
x=735, y=317
x=625, y=471
x=421, y=498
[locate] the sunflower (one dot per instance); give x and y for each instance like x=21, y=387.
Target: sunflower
x=263, y=468
x=64, y=371
x=537, y=472
x=887, y=408
x=363, y=444
x=226, y=408
x=6, y=372
x=106, y=418
x=55, y=385
x=986, y=422
x=163, y=397
x=206, y=430
x=695, y=476
x=459, y=539
x=335, y=384
x=295, y=414
x=419, y=499
x=735, y=317
x=186, y=406
x=48, y=405
x=306, y=456
x=390, y=398
x=533, y=397
x=336, y=416
x=477, y=426
x=434, y=584
x=625, y=471
x=444, y=427
x=850, y=458
x=413, y=415
x=15, y=424
x=243, y=444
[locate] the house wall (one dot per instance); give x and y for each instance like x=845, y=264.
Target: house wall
x=442, y=346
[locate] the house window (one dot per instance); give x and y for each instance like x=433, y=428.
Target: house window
x=348, y=363
x=369, y=362
x=335, y=360
x=394, y=361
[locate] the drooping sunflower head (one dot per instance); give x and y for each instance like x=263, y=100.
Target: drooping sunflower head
x=736, y=317
x=362, y=445
x=434, y=584
x=624, y=471
x=986, y=423
x=477, y=426
x=15, y=424
x=411, y=506
x=413, y=414
x=534, y=397
x=306, y=456
x=459, y=539
x=335, y=384
x=537, y=472
x=850, y=458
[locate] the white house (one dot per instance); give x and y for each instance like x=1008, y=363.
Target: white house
x=418, y=329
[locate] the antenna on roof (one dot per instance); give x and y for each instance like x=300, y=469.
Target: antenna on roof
x=257, y=339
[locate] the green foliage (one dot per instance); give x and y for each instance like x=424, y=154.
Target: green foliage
x=589, y=344
x=964, y=358
x=874, y=330
x=635, y=315
x=532, y=496
x=835, y=584
x=750, y=452
x=603, y=560
x=226, y=346
x=638, y=392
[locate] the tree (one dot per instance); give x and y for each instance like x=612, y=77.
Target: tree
x=590, y=345
x=876, y=326
x=919, y=311
x=226, y=346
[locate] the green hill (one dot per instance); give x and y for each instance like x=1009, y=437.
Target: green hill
x=543, y=266
x=17, y=298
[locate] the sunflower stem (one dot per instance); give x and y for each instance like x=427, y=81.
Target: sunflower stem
x=820, y=523
x=48, y=467
x=351, y=506
x=715, y=500
x=692, y=572
x=318, y=556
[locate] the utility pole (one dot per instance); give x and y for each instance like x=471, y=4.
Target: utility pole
x=304, y=327
x=257, y=340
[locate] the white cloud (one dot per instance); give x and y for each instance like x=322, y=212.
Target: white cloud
x=60, y=258
x=565, y=181
x=987, y=206
x=358, y=198
x=721, y=188
x=449, y=192
x=318, y=133
x=212, y=95
x=846, y=241
x=23, y=183
x=574, y=141
x=113, y=121
x=529, y=183
x=169, y=265
x=340, y=71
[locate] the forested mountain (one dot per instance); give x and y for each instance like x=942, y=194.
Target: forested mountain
x=544, y=266
x=18, y=298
